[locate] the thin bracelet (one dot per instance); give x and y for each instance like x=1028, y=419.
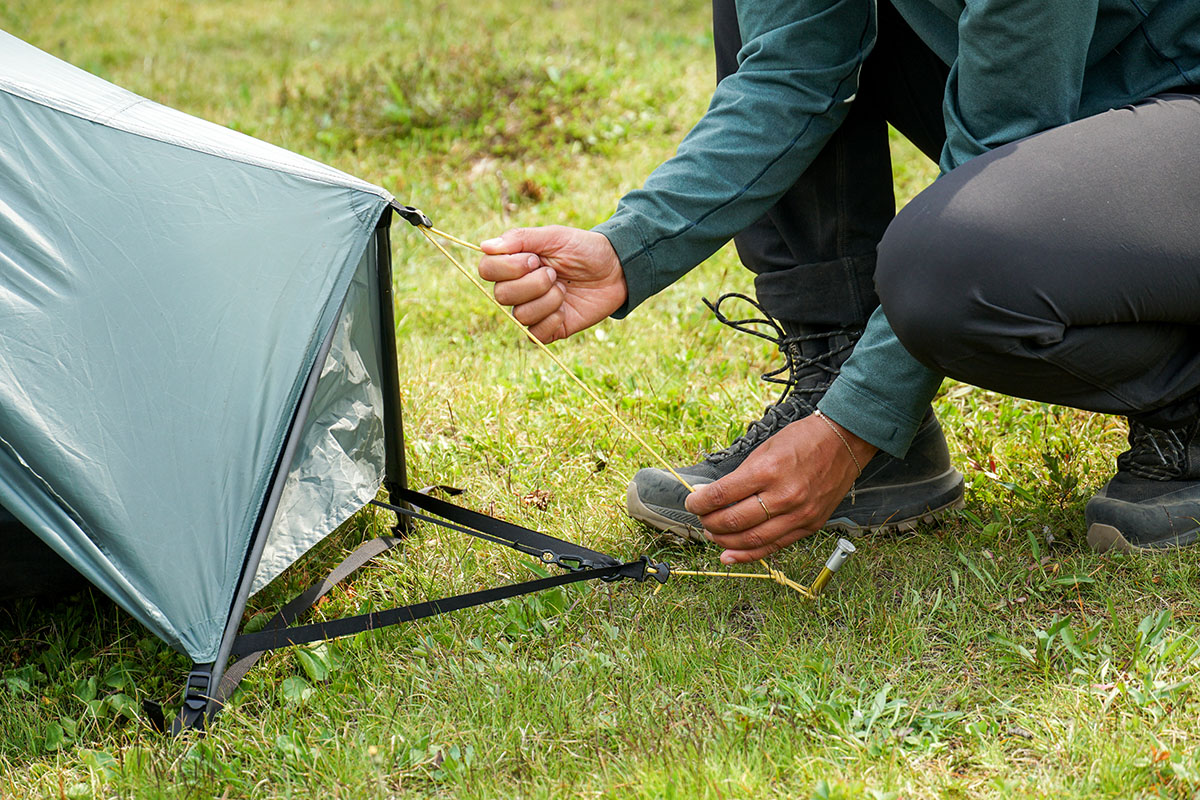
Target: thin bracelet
x=850, y=450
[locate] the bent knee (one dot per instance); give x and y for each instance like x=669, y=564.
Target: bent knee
x=923, y=281
x=947, y=265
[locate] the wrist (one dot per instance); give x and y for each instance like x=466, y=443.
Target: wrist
x=638, y=275
x=616, y=270
x=860, y=450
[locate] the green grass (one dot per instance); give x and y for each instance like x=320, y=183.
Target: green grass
x=991, y=656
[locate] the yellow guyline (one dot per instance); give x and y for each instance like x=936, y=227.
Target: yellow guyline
x=844, y=548
x=590, y=392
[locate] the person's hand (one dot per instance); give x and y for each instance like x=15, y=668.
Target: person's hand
x=558, y=280
x=800, y=475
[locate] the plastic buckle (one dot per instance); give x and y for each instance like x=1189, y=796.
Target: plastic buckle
x=195, y=691
x=569, y=563
x=413, y=216
x=195, y=702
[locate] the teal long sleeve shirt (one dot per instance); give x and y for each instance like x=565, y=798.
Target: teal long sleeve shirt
x=1017, y=67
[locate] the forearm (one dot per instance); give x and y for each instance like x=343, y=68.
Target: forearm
x=764, y=126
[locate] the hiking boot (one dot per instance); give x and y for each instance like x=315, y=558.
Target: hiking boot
x=1153, y=502
x=891, y=493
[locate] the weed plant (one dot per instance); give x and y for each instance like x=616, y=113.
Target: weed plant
x=989, y=656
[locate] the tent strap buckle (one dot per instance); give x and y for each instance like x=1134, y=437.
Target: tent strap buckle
x=568, y=562
x=196, y=691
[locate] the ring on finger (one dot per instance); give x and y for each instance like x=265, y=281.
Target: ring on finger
x=766, y=510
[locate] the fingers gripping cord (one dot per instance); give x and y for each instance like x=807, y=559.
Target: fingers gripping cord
x=427, y=230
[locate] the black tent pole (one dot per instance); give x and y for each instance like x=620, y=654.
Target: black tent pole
x=395, y=470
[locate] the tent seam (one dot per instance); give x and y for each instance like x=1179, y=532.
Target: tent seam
x=62, y=502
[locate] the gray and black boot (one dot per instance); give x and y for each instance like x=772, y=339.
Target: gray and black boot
x=1153, y=502
x=891, y=493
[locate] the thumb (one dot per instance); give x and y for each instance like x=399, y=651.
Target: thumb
x=518, y=240
x=710, y=497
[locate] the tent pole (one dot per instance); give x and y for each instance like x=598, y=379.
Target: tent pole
x=259, y=540
x=395, y=471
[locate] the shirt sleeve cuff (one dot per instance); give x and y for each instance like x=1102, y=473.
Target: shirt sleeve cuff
x=636, y=261
x=868, y=418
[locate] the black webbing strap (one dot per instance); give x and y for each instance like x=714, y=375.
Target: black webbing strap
x=564, y=554
x=301, y=603
x=304, y=634
x=581, y=563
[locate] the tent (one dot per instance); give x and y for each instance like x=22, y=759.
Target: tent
x=197, y=360
x=198, y=376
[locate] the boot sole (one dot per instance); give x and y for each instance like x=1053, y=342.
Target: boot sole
x=1107, y=538
x=895, y=526
x=673, y=527
x=664, y=524
x=1103, y=538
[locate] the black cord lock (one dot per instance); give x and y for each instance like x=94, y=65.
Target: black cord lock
x=641, y=569
x=660, y=571
x=413, y=216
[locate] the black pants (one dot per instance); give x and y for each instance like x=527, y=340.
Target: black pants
x=1063, y=268
x=814, y=251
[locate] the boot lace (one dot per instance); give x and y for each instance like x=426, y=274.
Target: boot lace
x=804, y=379
x=1155, y=454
